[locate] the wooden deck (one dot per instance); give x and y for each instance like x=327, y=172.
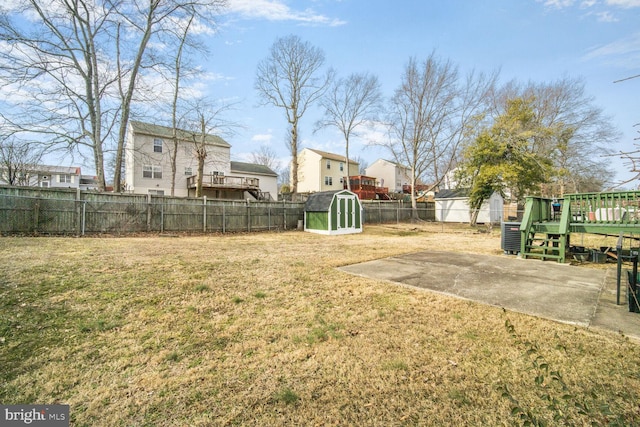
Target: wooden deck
x=547, y=223
x=224, y=182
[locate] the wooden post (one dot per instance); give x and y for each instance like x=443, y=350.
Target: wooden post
x=36, y=215
x=78, y=213
x=148, y=212
x=204, y=214
x=248, y=215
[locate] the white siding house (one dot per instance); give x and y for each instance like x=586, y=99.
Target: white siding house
x=148, y=166
x=390, y=174
x=268, y=178
x=322, y=171
x=453, y=206
x=45, y=176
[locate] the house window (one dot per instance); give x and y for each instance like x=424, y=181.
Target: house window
x=157, y=145
x=156, y=192
x=188, y=171
x=328, y=164
x=341, y=166
x=328, y=180
x=64, y=179
x=152, y=171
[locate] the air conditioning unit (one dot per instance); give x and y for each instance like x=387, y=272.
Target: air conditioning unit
x=510, y=237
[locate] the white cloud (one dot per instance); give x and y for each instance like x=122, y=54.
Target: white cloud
x=623, y=52
x=276, y=10
x=263, y=138
x=606, y=17
x=558, y=4
x=626, y=4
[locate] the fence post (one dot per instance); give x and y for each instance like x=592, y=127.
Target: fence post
x=148, y=212
x=78, y=213
x=204, y=214
x=248, y=215
x=284, y=214
x=36, y=215
x=84, y=215
x=224, y=220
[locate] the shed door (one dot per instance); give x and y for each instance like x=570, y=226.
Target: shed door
x=346, y=211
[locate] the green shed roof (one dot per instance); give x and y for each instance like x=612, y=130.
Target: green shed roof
x=321, y=201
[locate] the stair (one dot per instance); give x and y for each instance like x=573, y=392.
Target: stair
x=544, y=236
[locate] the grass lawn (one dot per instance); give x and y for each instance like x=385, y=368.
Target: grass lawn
x=261, y=329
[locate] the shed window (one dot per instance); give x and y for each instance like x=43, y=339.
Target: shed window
x=328, y=180
x=157, y=145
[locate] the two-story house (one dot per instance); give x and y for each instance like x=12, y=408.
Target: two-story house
x=390, y=174
x=46, y=176
x=322, y=171
x=149, y=153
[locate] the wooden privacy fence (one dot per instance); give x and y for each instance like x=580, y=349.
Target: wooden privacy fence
x=75, y=212
x=55, y=211
x=383, y=211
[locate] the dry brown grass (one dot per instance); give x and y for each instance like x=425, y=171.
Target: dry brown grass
x=261, y=329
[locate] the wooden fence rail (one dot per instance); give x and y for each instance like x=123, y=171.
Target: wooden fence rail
x=74, y=212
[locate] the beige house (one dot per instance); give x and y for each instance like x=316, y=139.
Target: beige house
x=50, y=176
x=390, y=174
x=322, y=171
x=148, y=170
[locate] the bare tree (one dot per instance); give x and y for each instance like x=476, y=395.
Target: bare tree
x=203, y=123
x=290, y=78
x=349, y=103
x=76, y=68
x=177, y=78
x=17, y=160
x=431, y=114
x=579, y=136
x=266, y=156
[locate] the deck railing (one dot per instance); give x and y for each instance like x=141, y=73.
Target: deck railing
x=224, y=181
x=605, y=208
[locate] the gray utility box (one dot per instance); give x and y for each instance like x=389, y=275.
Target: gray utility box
x=510, y=237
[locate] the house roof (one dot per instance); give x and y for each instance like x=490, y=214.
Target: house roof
x=332, y=156
x=321, y=201
x=167, y=132
x=252, y=168
x=393, y=163
x=71, y=170
x=457, y=193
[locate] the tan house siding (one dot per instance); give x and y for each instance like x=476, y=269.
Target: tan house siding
x=390, y=174
x=322, y=171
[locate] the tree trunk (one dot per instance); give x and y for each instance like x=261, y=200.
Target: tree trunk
x=414, y=202
x=294, y=157
x=347, y=162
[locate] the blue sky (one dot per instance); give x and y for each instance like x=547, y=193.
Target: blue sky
x=527, y=40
